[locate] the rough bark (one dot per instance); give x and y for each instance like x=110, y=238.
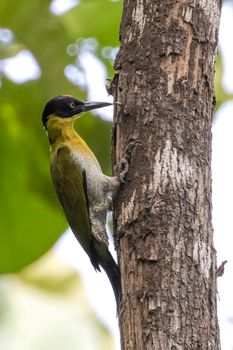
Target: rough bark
x=162, y=125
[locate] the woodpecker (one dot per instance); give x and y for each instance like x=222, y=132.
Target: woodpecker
x=80, y=184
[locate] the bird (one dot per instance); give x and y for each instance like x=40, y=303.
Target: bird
x=81, y=187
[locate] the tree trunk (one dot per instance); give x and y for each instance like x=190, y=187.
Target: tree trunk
x=164, y=92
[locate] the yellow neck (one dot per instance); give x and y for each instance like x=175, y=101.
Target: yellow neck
x=61, y=131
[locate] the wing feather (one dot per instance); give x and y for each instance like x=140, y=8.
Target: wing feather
x=70, y=183
x=71, y=187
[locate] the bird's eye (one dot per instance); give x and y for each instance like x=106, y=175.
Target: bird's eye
x=72, y=105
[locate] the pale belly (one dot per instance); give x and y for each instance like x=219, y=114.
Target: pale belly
x=96, y=181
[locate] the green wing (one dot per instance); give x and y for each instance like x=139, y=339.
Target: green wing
x=70, y=184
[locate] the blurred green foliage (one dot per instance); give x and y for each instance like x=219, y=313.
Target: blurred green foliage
x=46, y=307
x=30, y=217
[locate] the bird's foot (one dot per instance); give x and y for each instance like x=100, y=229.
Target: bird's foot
x=123, y=169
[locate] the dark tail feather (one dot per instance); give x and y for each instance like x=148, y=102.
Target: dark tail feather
x=113, y=273
x=100, y=255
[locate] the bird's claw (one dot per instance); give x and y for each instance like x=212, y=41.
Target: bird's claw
x=123, y=169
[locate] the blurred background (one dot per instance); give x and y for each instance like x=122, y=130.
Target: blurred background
x=50, y=296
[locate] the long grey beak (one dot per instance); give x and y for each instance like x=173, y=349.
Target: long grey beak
x=88, y=106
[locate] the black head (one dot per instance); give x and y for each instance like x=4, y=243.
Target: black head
x=67, y=106
x=62, y=106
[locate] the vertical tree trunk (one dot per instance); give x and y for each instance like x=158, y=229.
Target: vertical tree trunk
x=164, y=92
